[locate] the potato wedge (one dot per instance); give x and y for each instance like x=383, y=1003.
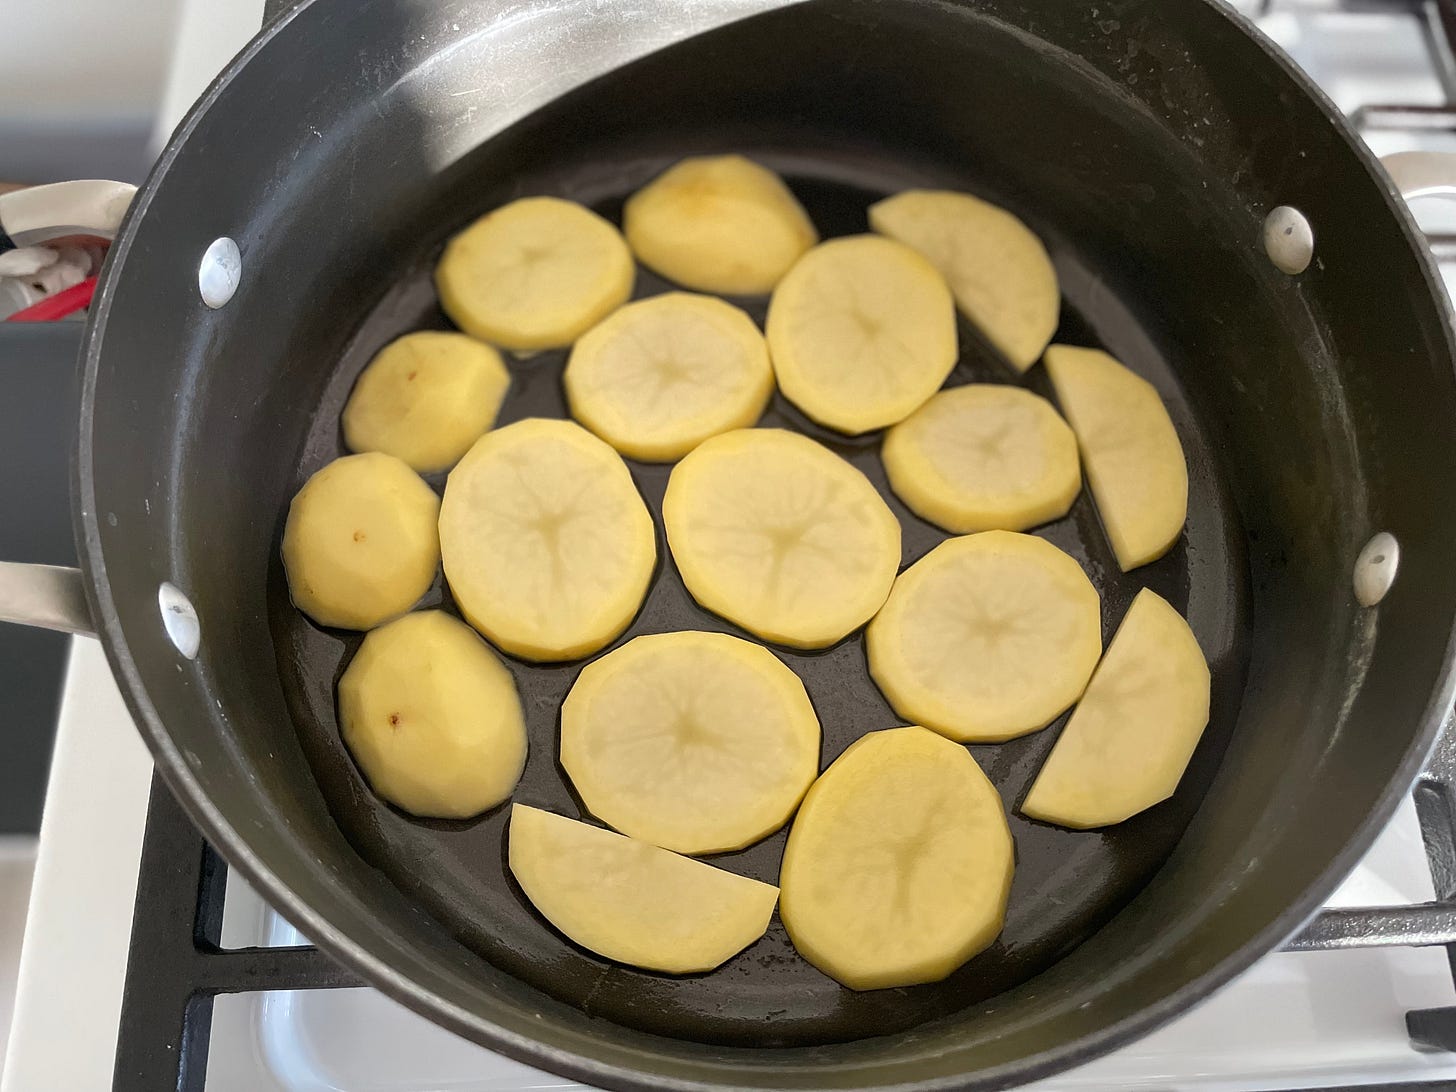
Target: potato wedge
x=899, y=864
x=1134, y=461
x=1130, y=738
x=631, y=901
x=987, y=637
x=781, y=536
x=696, y=742
x=548, y=547
x=360, y=544
x=432, y=717
x=862, y=332
x=718, y=223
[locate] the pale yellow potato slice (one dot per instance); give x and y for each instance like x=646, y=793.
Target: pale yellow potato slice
x=632, y=901
x=781, y=536
x=547, y=545
x=1130, y=449
x=1129, y=740
x=898, y=866
x=425, y=398
x=861, y=332
x=534, y=274
x=998, y=269
x=987, y=637
x=432, y=717
x=360, y=544
x=696, y=742
x=984, y=457
x=718, y=224
x=661, y=375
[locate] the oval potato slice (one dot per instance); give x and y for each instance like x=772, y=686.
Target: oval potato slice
x=899, y=864
x=659, y=376
x=997, y=268
x=432, y=717
x=987, y=637
x=984, y=457
x=862, y=332
x=631, y=901
x=1130, y=738
x=778, y=534
x=534, y=274
x=718, y=224
x=548, y=547
x=1130, y=448
x=696, y=742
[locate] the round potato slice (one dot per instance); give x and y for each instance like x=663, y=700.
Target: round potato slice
x=899, y=864
x=781, y=536
x=723, y=732
x=631, y=901
x=718, y=224
x=534, y=274
x=360, y=545
x=547, y=545
x=998, y=269
x=432, y=717
x=987, y=637
x=984, y=457
x=425, y=398
x=661, y=375
x=862, y=332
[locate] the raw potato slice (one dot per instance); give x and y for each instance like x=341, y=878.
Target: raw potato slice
x=987, y=637
x=1130, y=448
x=1130, y=738
x=899, y=864
x=862, y=332
x=696, y=742
x=548, y=547
x=998, y=270
x=432, y=717
x=360, y=544
x=426, y=398
x=534, y=274
x=661, y=375
x=718, y=224
x=781, y=536
x=984, y=457
x=631, y=901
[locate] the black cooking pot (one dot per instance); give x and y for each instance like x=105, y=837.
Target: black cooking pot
x=1146, y=141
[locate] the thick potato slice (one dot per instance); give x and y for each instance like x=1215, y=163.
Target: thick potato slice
x=425, y=398
x=862, y=332
x=534, y=274
x=984, y=457
x=360, y=545
x=718, y=224
x=696, y=742
x=432, y=717
x=781, y=536
x=661, y=375
x=1130, y=738
x=632, y=901
x=547, y=545
x=987, y=637
x=899, y=864
x=1130, y=448
x=997, y=268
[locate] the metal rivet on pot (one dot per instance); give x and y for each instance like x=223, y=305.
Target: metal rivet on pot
x=220, y=271
x=180, y=619
x=1288, y=239
x=1375, y=569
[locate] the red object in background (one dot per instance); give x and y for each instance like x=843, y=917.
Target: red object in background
x=60, y=305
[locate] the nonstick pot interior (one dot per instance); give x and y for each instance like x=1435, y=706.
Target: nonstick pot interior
x=1145, y=143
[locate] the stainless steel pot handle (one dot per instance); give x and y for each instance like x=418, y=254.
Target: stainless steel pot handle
x=1422, y=174
x=49, y=596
